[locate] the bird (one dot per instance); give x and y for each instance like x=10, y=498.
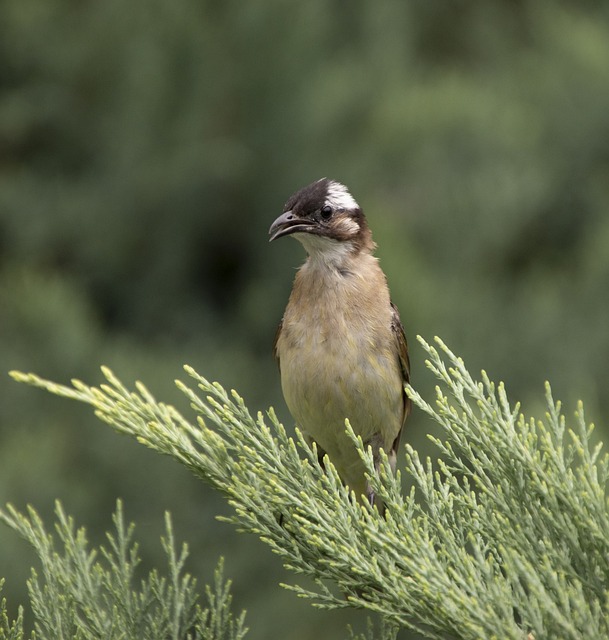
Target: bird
x=341, y=346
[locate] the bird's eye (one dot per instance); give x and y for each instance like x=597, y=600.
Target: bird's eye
x=326, y=212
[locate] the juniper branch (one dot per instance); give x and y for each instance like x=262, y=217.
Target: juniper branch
x=513, y=517
x=90, y=594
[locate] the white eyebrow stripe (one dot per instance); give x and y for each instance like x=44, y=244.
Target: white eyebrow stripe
x=339, y=197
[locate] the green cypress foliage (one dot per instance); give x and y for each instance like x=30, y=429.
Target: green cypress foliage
x=505, y=535
x=90, y=593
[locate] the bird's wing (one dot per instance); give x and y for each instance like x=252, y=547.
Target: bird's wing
x=400, y=337
x=275, y=352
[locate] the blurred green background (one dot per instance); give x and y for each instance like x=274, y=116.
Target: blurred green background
x=145, y=148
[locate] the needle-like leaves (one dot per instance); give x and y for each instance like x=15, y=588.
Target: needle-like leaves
x=506, y=535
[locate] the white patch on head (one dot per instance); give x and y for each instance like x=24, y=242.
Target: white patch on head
x=339, y=197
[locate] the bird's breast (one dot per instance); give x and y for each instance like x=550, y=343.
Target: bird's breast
x=338, y=360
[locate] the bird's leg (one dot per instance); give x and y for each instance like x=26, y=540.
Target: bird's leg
x=320, y=452
x=375, y=444
x=370, y=495
x=320, y=459
x=392, y=455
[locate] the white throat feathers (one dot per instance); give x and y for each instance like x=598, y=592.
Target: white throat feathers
x=326, y=251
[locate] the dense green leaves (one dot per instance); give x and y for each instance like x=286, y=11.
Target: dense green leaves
x=506, y=534
x=86, y=594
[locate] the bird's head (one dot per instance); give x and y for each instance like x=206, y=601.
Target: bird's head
x=326, y=219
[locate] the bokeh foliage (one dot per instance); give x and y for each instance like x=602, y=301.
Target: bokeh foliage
x=145, y=148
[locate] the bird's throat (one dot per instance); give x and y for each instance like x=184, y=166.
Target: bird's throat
x=326, y=253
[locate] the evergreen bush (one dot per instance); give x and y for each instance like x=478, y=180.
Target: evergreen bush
x=505, y=535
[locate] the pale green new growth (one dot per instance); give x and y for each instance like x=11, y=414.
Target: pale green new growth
x=507, y=534
x=10, y=630
x=86, y=594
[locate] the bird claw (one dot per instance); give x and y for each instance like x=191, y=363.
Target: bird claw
x=371, y=497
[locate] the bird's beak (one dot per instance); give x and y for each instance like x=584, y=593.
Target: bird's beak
x=288, y=223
